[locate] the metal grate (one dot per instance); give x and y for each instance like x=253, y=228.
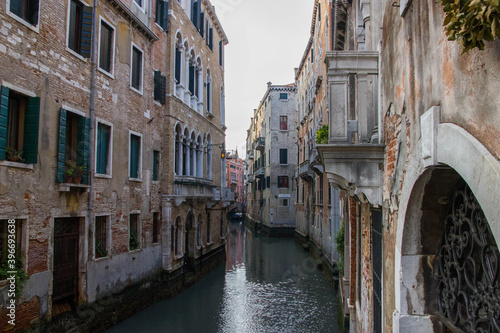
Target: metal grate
x=100, y=236
x=65, y=258
x=468, y=268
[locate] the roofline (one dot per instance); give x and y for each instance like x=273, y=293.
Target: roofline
x=211, y=11
x=311, y=38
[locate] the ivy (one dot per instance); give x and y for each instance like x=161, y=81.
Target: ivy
x=471, y=22
x=340, y=241
x=20, y=275
x=322, y=135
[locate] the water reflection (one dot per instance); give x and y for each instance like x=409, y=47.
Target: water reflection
x=267, y=285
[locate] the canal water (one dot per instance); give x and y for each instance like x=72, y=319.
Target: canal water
x=267, y=285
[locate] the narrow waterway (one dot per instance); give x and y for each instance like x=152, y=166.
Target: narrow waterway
x=267, y=285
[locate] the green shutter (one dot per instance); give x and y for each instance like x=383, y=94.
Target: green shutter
x=211, y=38
x=61, y=146
x=202, y=24
x=157, y=86
x=103, y=137
x=31, y=121
x=86, y=32
x=164, y=14
x=191, y=79
x=82, y=151
x=4, y=115
x=134, y=156
x=155, y=164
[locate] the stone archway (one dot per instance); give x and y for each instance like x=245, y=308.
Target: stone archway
x=459, y=160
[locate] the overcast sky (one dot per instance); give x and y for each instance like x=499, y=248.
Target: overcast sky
x=267, y=39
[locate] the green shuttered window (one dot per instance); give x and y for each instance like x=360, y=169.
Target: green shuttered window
x=18, y=138
x=103, y=148
x=162, y=14
x=135, y=150
x=156, y=160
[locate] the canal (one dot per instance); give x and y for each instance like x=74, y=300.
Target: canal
x=267, y=285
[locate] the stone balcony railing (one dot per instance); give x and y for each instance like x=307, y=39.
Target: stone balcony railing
x=187, y=187
x=251, y=155
x=250, y=178
x=260, y=172
x=260, y=144
x=305, y=171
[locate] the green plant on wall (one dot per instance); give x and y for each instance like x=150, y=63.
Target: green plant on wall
x=471, y=22
x=322, y=135
x=339, y=241
x=20, y=275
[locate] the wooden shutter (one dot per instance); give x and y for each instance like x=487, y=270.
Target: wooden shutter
x=155, y=164
x=202, y=24
x=4, y=116
x=61, y=146
x=134, y=156
x=103, y=137
x=194, y=13
x=31, y=121
x=178, y=59
x=164, y=14
x=211, y=38
x=157, y=85
x=191, y=79
x=198, y=21
x=86, y=30
x=220, y=52
x=163, y=96
x=82, y=151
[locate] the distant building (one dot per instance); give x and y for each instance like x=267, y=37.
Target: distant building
x=235, y=175
x=271, y=161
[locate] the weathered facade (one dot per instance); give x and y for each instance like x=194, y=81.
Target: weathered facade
x=107, y=105
x=235, y=177
x=271, y=151
x=412, y=139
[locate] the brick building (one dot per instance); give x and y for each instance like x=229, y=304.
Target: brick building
x=130, y=94
x=235, y=177
x=271, y=151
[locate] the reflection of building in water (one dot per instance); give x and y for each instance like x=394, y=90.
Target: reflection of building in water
x=235, y=245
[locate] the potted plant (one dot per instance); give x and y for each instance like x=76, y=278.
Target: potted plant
x=74, y=172
x=14, y=155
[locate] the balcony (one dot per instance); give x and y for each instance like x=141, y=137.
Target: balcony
x=233, y=181
x=260, y=172
x=353, y=157
x=251, y=155
x=186, y=187
x=250, y=178
x=315, y=162
x=227, y=194
x=260, y=144
x=304, y=171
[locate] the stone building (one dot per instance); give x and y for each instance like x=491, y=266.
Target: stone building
x=318, y=204
x=235, y=177
x=130, y=95
x=271, y=163
x=412, y=138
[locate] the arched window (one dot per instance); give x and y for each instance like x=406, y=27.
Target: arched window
x=192, y=156
x=209, y=91
x=199, y=157
x=209, y=157
x=185, y=153
x=178, y=58
x=178, y=150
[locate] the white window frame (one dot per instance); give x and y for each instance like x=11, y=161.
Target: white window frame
x=287, y=156
x=280, y=200
x=132, y=45
x=112, y=74
x=76, y=54
x=108, y=237
x=284, y=100
x=139, y=167
x=110, y=152
x=35, y=28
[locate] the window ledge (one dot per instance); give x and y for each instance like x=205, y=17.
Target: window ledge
x=209, y=243
x=134, y=251
x=210, y=115
x=102, y=258
x=178, y=256
x=76, y=54
x=135, y=180
x=110, y=75
x=35, y=28
x=66, y=187
x=102, y=175
x=137, y=91
x=17, y=165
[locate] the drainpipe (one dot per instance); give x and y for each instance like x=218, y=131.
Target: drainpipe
x=92, y=95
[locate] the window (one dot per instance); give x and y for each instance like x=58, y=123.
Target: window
x=283, y=156
x=101, y=248
x=178, y=64
x=283, y=181
x=133, y=243
x=19, y=118
x=268, y=181
x=209, y=93
x=196, y=13
x=283, y=202
x=141, y=3
x=283, y=123
x=6, y=229
x=136, y=69
x=73, y=148
x=156, y=227
x=283, y=96
x=156, y=162
x=135, y=166
x=27, y=10
x=103, y=149
x=161, y=16
x=80, y=28
x=210, y=36
x=221, y=55
x=106, y=47
x=208, y=229
x=160, y=87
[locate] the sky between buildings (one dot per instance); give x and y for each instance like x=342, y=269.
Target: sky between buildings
x=267, y=39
